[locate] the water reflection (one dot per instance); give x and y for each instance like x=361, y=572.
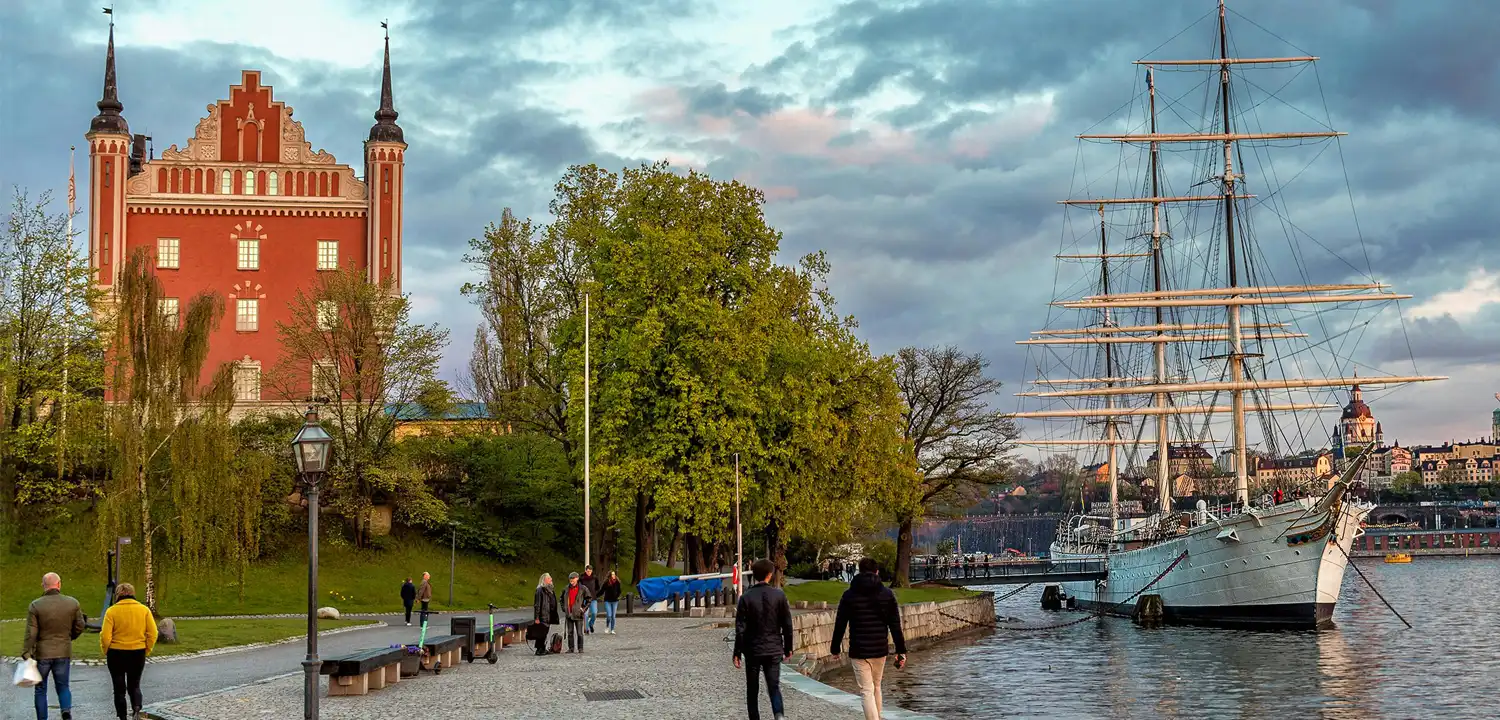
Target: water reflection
x=1368, y=666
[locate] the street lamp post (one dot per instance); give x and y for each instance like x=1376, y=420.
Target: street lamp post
x=310, y=448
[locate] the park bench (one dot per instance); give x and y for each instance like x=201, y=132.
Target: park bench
x=360, y=672
x=444, y=649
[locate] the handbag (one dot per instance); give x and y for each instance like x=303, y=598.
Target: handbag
x=535, y=632
x=27, y=675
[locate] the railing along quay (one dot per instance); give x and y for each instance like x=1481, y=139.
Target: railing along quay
x=1009, y=572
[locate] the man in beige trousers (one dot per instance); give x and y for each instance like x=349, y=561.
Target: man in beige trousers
x=869, y=612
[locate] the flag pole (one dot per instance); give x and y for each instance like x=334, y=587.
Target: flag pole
x=739, y=537
x=586, y=554
x=67, y=327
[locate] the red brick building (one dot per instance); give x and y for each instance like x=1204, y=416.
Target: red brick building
x=247, y=209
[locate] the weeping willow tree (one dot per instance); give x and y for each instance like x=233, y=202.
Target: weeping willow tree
x=171, y=428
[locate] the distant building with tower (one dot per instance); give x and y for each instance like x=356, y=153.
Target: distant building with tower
x=247, y=209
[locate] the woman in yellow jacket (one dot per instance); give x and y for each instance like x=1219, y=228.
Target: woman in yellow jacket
x=127, y=637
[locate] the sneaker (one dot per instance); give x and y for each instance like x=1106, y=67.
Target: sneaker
x=570, y=650
x=408, y=624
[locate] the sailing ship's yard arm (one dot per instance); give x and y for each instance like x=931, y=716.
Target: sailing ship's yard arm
x=1209, y=386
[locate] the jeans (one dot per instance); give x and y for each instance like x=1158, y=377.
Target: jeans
x=867, y=674
x=575, y=632
x=755, y=665
x=610, y=607
x=59, y=669
x=593, y=611
x=125, y=668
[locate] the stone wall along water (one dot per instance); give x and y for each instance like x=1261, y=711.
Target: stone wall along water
x=922, y=623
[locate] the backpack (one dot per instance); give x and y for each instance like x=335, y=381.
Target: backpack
x=556, y=644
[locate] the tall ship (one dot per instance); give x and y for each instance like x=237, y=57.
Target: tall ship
x=1170, y=331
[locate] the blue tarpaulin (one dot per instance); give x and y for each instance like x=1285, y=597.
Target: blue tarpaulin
x=657, y=589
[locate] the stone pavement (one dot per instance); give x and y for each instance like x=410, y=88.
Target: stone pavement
x=92, y=696
x=681, y=665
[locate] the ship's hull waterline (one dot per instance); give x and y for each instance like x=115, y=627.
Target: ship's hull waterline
x=1281, y=569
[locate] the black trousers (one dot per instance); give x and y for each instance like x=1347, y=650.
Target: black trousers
x=125, y=668
x=408, y=613
x=755, y=666
x=541, y=642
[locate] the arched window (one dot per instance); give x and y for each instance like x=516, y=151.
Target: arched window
x=249, y=182
x=274, y=188
x=227, y=186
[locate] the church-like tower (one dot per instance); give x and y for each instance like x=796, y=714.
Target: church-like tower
x=109, y=170
x=385, y=165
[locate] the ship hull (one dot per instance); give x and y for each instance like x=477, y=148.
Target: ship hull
x=1280, y=568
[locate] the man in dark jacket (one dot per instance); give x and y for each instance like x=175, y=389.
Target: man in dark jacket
x=763, y=638
x=590, y=582
x=575, y=601
x=868, y=611
x=424, y=594
x=53, y=622
x=408, y=596
x=544, y=612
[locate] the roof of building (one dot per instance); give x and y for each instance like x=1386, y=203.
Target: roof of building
x=109, y=119
x=413, y=412
x=1356, y=407
x=1184, y=452
x=385, y=128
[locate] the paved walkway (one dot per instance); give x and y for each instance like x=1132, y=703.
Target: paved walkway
x=92, y=695
x=682, y=666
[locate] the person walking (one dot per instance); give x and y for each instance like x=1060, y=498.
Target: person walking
x=53, y=622
x=408, y=596
x=868, y=611
x=543, y=612
x=575, y=602
x=762, y=638
x=590, y=582
x=126, y=638
x=424, y=594
x=609, y=592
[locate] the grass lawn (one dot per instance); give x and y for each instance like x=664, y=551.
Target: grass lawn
x=831, y=590
x=196, y=635
x=349, y=579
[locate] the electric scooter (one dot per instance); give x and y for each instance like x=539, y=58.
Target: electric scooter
x=493, y=641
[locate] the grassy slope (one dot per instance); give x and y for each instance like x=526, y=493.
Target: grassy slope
x=196, y=635
x=831, y=590
x=349, y=579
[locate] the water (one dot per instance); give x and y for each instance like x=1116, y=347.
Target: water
x=1369, y=666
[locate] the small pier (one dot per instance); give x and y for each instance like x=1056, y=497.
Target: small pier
x=1007, y=572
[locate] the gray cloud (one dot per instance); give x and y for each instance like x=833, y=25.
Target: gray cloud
x=947, y=237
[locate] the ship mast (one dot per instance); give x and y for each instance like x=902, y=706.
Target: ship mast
x=1111, y=430
x=1236, y=339
x=1163, y=475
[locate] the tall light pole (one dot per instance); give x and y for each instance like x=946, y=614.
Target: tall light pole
x=587, y=556
x=310, y=448
x=739, y=537
x=452, y=560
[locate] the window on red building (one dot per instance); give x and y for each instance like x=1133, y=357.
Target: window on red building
x=249, y=258
x=167, y=253
x=247, y=315
x=247, y=381
x=328, y=254
x=226, y=186
x=168, y=307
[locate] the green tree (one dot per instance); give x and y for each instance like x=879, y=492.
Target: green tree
x=1407, y=481
x=961, y=445
x=156, y=380
x=51, y=360
x=350, y=342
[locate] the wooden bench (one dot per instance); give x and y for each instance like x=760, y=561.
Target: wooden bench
x=442, y=648
x=363, y=671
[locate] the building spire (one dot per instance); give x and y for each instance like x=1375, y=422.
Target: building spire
x=109, y=118
x=385, y=128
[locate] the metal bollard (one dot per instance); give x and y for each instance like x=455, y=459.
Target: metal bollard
x=629, y=604
x=675, y=606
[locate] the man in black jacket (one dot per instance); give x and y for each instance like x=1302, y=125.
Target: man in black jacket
x=868, y=610
x=763, y=637
x=408, y=597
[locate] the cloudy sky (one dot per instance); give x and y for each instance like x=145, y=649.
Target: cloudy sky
x=921, y=143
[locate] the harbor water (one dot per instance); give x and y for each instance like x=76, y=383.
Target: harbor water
x=1368, y=666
